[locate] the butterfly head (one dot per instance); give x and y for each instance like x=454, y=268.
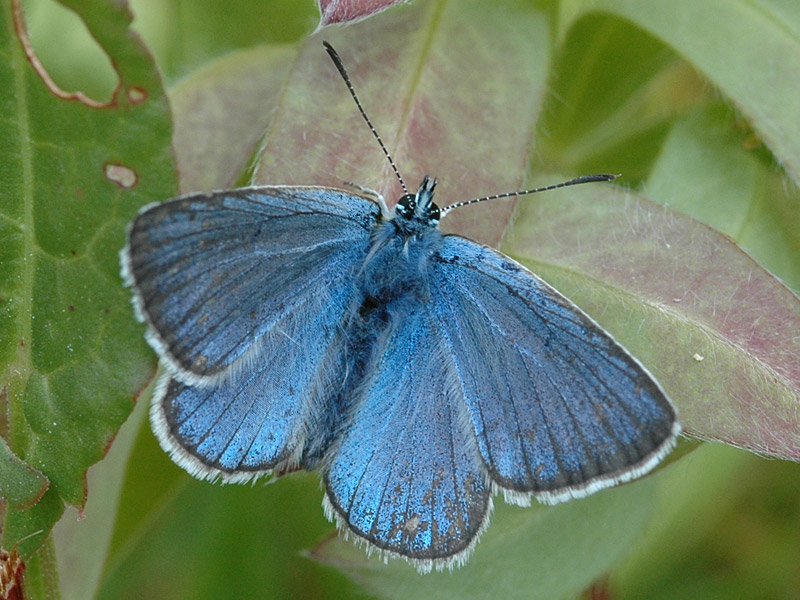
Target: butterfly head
x=415, y=213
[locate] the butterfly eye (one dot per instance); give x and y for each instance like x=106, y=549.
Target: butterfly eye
x=433, y=213
x=406, y=206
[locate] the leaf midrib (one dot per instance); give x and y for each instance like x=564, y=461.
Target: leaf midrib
x=20, y=369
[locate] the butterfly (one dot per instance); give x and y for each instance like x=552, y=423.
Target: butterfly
x=306, y=327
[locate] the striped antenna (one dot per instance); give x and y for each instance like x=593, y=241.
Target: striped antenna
x=343, y=72
x=555, y=186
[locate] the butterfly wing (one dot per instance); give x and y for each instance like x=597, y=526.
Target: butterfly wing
x=559, y=409
x=245, y=293
x=406, y=476
x=212, y=274
x=264, y=418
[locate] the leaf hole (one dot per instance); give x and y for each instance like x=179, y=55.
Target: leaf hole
x=63, y=52
x=123, y=176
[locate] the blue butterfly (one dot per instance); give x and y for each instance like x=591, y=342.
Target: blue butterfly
x=310, y=327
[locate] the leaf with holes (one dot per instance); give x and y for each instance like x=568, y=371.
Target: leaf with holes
x=74, y=170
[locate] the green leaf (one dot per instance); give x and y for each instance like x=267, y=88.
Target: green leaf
x=185, y=538
x=75, y=170
x=186, y=34
x=82, y=545
x=710, y=171
x=221, y=113
x=615, y=90
x=20, y=484
x=727, y=528
x=749, y=50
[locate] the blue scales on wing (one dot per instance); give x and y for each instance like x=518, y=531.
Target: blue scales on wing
x=405, y=475
x=559, y=409
x=262, y=418
x=213, y=273
x=246, y=294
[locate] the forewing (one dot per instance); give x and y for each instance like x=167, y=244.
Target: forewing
x=262, y=418
x=214, y=273
x=406, y=476
x=559, y=409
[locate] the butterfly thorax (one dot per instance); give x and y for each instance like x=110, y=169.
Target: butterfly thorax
x=396, y=265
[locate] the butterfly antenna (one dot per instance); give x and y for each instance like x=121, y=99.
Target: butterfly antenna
x=555, y=186
x=343, y=72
